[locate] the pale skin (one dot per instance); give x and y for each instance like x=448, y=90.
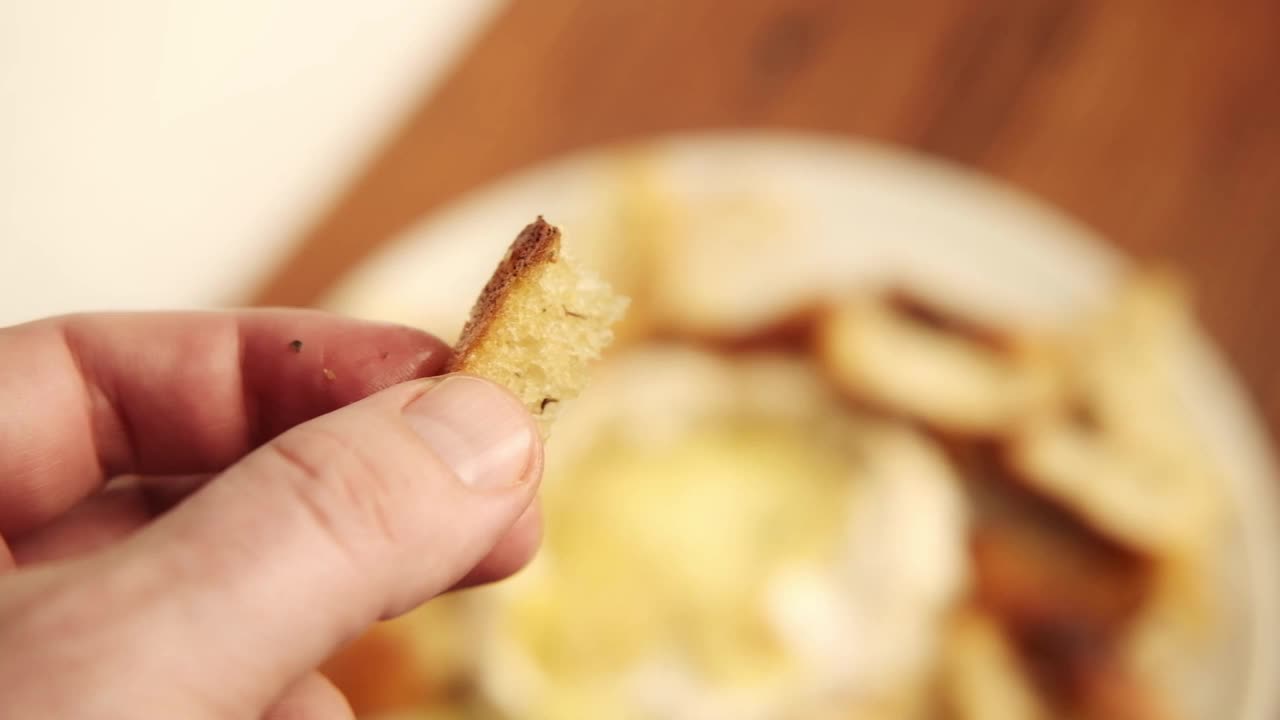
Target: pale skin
x=196, y=511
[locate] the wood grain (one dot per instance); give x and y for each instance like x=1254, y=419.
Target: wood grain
x=1155, y=121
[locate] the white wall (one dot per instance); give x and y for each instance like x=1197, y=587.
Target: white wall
x=161, y=153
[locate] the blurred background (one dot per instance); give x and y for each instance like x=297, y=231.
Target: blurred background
x=159, y=154
x=163, y=154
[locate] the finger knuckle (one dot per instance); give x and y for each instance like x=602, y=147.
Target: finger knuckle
x=346, y=489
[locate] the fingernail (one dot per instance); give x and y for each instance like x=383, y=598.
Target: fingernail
x=483, y=434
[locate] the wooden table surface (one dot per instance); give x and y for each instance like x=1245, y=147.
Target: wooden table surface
x=1155, y=121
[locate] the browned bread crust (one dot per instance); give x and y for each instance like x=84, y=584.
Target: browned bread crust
x=537, y=244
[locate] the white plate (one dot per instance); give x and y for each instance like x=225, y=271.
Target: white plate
x=861, y=212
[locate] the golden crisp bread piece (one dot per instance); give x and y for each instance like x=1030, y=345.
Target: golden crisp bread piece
x=982, y=677
x=539, y=324
x=880, y=356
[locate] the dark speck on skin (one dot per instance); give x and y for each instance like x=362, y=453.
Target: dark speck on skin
x=296, y=346
x=384, y=355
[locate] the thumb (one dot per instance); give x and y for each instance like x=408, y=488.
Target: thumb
x=357, y=515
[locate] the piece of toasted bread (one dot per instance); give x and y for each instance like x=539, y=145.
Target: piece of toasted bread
x=1130, y=458
x=538, y=324
x=982, y=676
x=882, y=357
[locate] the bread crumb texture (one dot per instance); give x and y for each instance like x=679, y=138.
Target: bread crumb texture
x=539, y=324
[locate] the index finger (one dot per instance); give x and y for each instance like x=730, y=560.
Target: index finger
x=87, y=397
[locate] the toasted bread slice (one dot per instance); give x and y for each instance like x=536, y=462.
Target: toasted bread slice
x=884, y=358
x=1134, y=463
x=982, y=676
x=538, y=324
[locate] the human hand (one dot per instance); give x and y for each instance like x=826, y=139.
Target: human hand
x=275, y=501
